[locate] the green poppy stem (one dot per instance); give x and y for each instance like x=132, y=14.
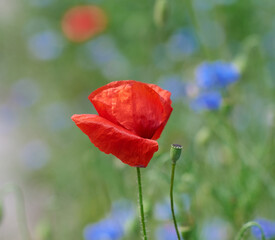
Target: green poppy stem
x=172, y=199
x=246, y=226
x=142, y=218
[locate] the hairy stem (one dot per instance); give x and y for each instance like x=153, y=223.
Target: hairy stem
x=142, y=218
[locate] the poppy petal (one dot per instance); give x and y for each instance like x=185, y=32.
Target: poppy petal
x=111, y=138
x=133, y=105
x=165, y=95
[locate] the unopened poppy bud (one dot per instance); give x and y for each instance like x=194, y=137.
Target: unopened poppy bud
x=160, y=12
x=175, y=152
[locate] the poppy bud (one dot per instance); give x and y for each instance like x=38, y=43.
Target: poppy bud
x=160, y=12
x=175, y=152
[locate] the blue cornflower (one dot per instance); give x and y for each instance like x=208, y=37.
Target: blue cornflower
x=216, y=75
x=113, y=227
x=46, y=45
x=166, y=232
x=162, y=210
x=267, y=226
x=102, y=50
x=182, y=44
x=215, y=229
x=123, y=212
x=107, y=229
x=9, y=119
x=207, y=101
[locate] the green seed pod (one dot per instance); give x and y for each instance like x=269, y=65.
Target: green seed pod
x=175, y=152
x=160, y=12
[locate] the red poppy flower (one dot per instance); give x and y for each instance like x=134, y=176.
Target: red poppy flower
x=131, y=116
x=82, y=22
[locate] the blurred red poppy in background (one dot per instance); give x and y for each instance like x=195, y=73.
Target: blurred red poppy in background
x=131, y=116
x=83, y=22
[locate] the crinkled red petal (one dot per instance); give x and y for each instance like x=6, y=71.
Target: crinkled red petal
x=136, y=106
x=111, y=138
x=163, y=93
x=165, y=97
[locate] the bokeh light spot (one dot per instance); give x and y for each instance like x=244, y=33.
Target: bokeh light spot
x=82, y=22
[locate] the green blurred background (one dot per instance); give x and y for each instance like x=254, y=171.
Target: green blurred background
x=226, y=173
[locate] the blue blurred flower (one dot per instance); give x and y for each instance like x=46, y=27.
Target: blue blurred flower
x=8, y=119
x=162, y=210
x=215, y=229
x=25, y=92
x=114, y=226
x=216, y=74
x=56, y=116
x=207, y=101
x=107, y=229
x=166, y=232
x=103, y=52
x=267, y=226
x=46, y=45
x=123, y=212
x=173, y=84
x=35, y=154
x=182, y=44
